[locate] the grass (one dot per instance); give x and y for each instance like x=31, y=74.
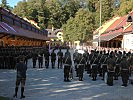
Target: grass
x=4, y=98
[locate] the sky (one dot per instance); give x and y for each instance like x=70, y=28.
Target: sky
x=12, y=3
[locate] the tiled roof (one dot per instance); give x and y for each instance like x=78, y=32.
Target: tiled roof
x=117, y=28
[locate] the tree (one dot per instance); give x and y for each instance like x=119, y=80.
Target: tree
x=81, y=27
x=4, y=5
x=21, y=9
x=125, y=7
x=107, y=11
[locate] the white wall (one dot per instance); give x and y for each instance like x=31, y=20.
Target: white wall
x=127, y=42
x=95, y=44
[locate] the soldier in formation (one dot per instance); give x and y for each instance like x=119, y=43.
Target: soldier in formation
x=53, y=59
x=60, y=58
x=67, y=61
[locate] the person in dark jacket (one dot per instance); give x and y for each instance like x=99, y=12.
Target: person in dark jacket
x=110, y=67
x=67, y=66
x=34, y=59
x=46, y=55
x=124, y=71
x=53, y=59
x=60, y=57
x=21, y=76
x=40, y=60
x=80, y=66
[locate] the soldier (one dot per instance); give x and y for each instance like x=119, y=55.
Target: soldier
x=75, y=56
x=0, y=62
x=94, y=69
x=34, y=59
x=40, y=60
x=104, y=65
x=124, y=71
x=131, y=63
x=46, y=55
x=80, y=66
x=67, y=66
x=60, y=57
x=110, y=68
x=21, y=77
x=117, y=67
x=53, y=59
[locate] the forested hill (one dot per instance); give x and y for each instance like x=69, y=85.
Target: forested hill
x=74, y=16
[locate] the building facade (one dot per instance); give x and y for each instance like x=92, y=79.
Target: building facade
x=119, y=34
x=15, y=31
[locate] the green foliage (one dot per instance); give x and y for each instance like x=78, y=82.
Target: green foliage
x=78, y=18
x=125, y=7
x=4, y=5
x=81, y=27
x=107, y=10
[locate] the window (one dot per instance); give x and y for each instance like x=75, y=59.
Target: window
x=49, y=33
x=127, y=41
x=24, y=26
x=33, y=29
x=29, y=27
x=7, y=19
x=17, y=23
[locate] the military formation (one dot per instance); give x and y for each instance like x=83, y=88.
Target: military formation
x=107, y=65
x=9, y=56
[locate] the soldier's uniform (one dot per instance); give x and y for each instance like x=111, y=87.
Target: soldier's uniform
x=53, y=59
x=46, y=55
x=67, y=66
x=80, y=66
x=60, y=57
x=40, y=60
x=75, y=56
x=110, y=68
x=104, y=65
x=131, y=63
x=94, y=69
x=34, y=59
x=124, y=71
x=117, y=68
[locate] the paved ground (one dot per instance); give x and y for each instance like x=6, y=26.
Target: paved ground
x=47, y=84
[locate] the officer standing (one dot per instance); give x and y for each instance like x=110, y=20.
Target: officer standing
x=67, y=66
x=46, y=55
x=21, y=76
x=110, y=68
x=80, y=66
x=53, y=59
x=124, y=71
x=60, y=57
x=40, y=60
x=34, y=59
x=94, y=68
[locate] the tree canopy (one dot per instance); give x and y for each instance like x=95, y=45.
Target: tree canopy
x=77, y=18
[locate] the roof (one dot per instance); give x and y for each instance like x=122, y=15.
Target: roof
x=109, y=36
x=20, y=28
x=105, y=26
x=117, y=28
x=14, y=30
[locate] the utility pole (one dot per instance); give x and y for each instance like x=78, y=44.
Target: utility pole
x=100, y=22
